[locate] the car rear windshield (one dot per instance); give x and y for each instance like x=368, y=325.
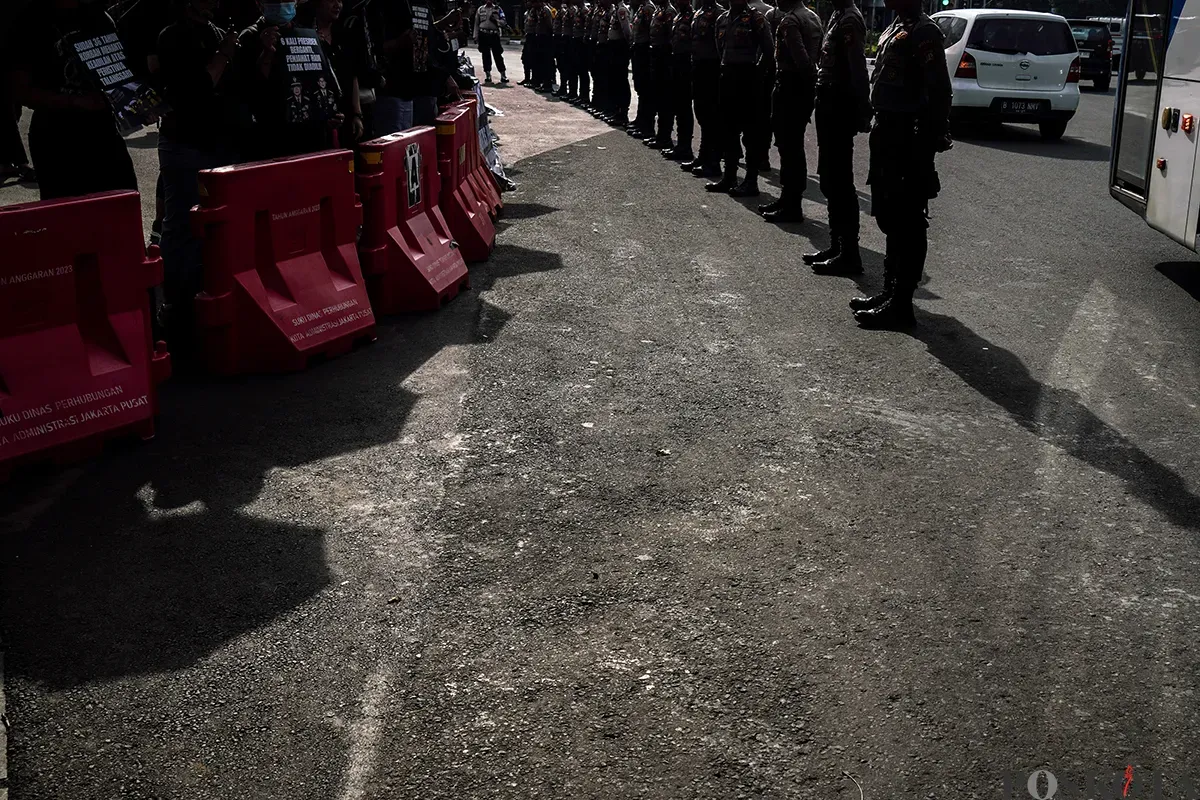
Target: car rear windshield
x=953, y=29
x=1035, y=37
x=1089, y=31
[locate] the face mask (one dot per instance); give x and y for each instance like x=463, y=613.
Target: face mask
x=279, y=13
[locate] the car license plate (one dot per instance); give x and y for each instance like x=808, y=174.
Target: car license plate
x=1084, y=54
x=1020, y=106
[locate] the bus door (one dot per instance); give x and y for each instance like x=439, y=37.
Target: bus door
x=1137, y=109
x=1173, y=205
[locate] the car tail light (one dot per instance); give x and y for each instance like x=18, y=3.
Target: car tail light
x=966, y=67
x=1073, y=73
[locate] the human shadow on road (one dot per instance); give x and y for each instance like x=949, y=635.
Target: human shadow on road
x=1056, y=416
x=1029, y=142
x=160, y=554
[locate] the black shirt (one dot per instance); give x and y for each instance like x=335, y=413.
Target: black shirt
x=410, y=70
x=200, y=114
x=292, y=105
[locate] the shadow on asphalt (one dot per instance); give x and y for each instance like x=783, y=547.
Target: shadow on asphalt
x=1027, y=141
x=160, y=554
x=515, y=211
x=1056, y=416
x=1183, y=274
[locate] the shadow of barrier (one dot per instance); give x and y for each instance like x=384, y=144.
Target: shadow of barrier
x=77, y=363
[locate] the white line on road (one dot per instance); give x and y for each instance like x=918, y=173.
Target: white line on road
x=364, y=734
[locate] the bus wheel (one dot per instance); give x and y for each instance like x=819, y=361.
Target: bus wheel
x=1141, y=74
x=1052, y=130
x=1102, y=84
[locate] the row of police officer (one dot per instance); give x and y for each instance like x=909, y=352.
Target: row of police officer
x=753, y=70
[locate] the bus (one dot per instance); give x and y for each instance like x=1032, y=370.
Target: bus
x=1154, y=169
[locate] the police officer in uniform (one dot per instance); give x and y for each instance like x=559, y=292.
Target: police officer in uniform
x=744, y=41
x=578, y=90
x=767, y=83
x=681, y=81
x=529, y=43
x=843, y=110
x=706, y=75
x=487, y=35
x=619, y=33
x=545, y=62
x=910, y=94
x=791, y=107
x=643, y=124
x=560, y=49
x=814, y=32
x=660, y=75
x=601, y=87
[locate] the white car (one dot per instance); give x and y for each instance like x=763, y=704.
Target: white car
x=1011, y=66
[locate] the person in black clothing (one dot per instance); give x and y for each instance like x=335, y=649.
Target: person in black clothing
x=14, y=162
x=344, y=56
x=285, y=96
x=197, y=133
x=409, y=39
x=843, y=111
x=73, y=135
x=791, y=107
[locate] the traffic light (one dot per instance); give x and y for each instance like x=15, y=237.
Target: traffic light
x=945, y=3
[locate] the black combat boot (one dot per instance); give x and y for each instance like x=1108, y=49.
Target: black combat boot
x=876, y=300
x=835, y=247
x=727, y=183
x=787, y=212
x=747, y=188
x=848, y=261
x=706, y=170
x=895, y=313
x=774, y=205
x=680, y=152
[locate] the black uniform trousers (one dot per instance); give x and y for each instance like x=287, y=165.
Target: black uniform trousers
x=791, y=108
x=664, y=101
x=618, y=70
x=643, y=84
x=562, y=57
x=739, y=101
x=601, y=86
x=706, y=78
x=681, y=95
x=491, y=47
x=575, y=59
x=587, y=65
x=767, y=86
x=529, y=56
x=835, y=161
x=902, y=180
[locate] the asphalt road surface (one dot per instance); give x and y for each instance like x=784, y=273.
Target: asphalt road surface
x=644, y=515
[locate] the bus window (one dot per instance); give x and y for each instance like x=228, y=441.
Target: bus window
x=1144, y=53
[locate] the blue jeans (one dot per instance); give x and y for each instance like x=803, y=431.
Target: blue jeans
x=183, y=262
x=395, y=114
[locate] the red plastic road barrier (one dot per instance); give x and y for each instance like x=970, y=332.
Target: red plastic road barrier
x=467, y=216
x=282, y=282
x=479, y=175
x=408, y=255
x=77, y=366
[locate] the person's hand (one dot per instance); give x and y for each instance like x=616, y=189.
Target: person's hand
x=268, y=38
x=336, y=121
x=229, y=46
x=92, y=101
x=357, y=128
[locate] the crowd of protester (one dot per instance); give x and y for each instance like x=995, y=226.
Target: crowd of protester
x=230, y=91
